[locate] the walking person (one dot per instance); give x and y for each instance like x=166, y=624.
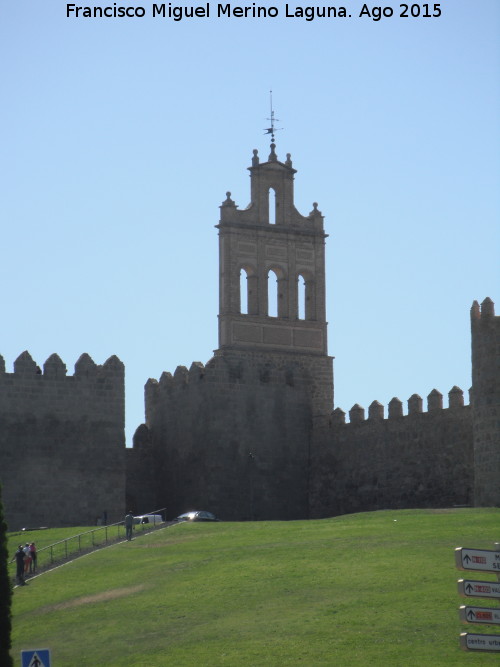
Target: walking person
x=129, y=522
x=19, y=558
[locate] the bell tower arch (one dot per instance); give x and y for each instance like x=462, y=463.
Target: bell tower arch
x=289, y=249
x=280, y=255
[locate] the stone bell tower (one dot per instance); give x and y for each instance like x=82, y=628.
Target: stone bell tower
x=237, y=435
x=272, y=278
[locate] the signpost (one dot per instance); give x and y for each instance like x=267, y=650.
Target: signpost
x=484, y=561
x=477, y=559
x=478, y=589
x=480, y=615
x=471, y=642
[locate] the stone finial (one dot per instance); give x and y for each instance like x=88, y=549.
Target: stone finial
x=2, y=364
x=228, y=201
x=456, y=397
x=315, y=210
x=272, y=155
x=288, y=160
x=475, y=311
x=255, y=159
x=356, y=413
x=395, y=408
x=24, y=364
x=54, y=367
x=338, y=416
x=487, y=308
x=414, y=404
x=434, y=400
x=375, y=410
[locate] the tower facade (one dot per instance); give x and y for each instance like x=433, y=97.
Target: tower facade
x=272, y=277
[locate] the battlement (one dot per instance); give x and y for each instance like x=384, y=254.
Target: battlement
x=421, y=459
x=395, y=407
x=220, y=370
x=54, y=367
x=62, y=430
x=38, y=391
x=485, y=310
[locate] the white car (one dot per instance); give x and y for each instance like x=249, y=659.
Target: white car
x=149, y=518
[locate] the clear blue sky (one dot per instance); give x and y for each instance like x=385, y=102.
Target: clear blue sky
x=120, y=138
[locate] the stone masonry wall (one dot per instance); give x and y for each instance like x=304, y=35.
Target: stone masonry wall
x=231, y=437
x=62, y=442
x=486, y=402
x=423, y=459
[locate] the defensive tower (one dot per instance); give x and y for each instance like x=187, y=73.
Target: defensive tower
x=485, y=329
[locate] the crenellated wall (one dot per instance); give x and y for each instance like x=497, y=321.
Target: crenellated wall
x=422, y=459
x=232, y=436
x=62, y=442
x=245, y=436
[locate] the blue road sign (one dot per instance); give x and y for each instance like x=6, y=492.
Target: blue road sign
x=39, y=657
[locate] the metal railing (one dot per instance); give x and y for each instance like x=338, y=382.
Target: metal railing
x=89, y=541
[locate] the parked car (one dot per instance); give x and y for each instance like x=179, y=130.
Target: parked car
x=197, y=515
x=148, y=518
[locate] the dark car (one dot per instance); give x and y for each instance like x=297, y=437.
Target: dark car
x=197, y=515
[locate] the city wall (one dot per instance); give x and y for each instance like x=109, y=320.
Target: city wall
x=232, y=436
x=62, y=442
x=422, y=459
x=245, y=436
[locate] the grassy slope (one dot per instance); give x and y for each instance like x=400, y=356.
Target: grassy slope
x=43, y=538
x=367, y=589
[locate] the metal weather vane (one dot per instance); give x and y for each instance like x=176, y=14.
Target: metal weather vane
x=271, y=130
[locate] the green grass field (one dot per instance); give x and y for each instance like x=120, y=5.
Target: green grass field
x=366, y=589
x=42, y=537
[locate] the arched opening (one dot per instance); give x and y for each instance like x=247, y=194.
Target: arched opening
x=306, y=305
x=272, y=294
x=243, y=292
x=272, y=206
x=301, y=297
x=248, y=297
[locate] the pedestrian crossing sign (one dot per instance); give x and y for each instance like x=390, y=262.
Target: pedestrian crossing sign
x=39, y=657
